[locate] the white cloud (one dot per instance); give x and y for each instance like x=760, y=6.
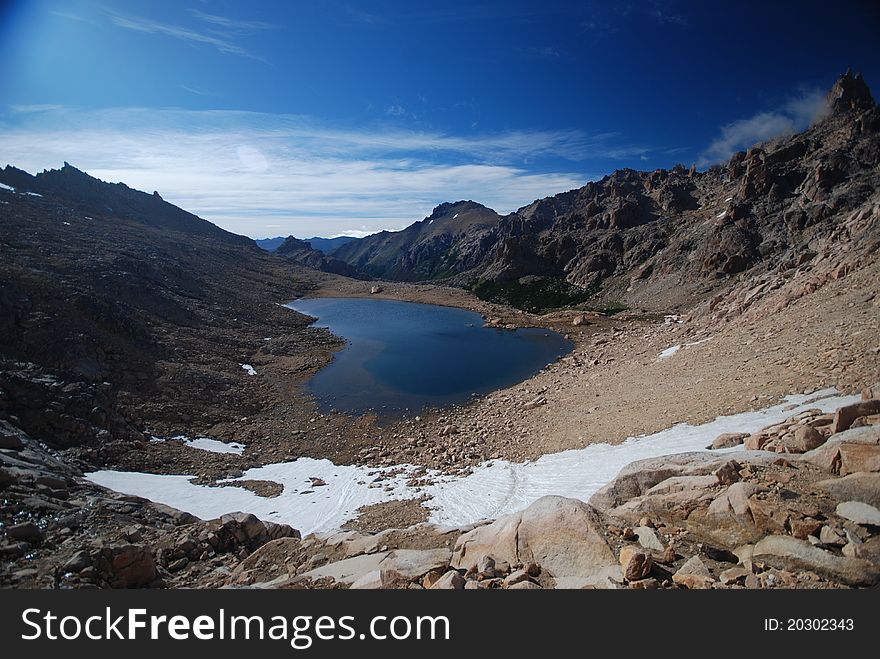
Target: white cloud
x=222, y=43
x=795, y=114
x=247, y=171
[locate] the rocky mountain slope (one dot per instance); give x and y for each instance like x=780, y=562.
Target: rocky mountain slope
x=120, y=312
x=303, y=253
x=455, y=237
x=661, y=239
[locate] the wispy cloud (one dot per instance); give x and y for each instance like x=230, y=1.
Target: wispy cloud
x=196, y=90
x=797, y=113
x=246, y=171
x=396, y=110
x=233, y=23
x=35, y=107
x=221, y=42
x=70, y=16
x=549, y=52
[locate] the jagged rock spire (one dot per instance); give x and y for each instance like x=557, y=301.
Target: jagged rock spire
x=850, y=92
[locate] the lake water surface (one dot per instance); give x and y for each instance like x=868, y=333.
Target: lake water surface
x=405, y=356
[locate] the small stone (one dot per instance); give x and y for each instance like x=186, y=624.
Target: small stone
x=178, y=565
x=452, y=580
x=78, y=562
x=734, y=575
x=515, y=577
x=648, y=538
x=636, y=564
x=728, y=474
x=486, y=567
x=644, y=584
x=728, y=440
x=828, y=536
x=693, y=574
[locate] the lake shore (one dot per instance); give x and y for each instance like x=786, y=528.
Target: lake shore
x=628, y=375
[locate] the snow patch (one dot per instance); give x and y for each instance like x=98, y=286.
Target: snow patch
x=722, y=214
x=214, y=445
x=32, y=194
x=666, y=354
x=3, y=186
x=495, y=488
x=307, y=508
x=250, y=370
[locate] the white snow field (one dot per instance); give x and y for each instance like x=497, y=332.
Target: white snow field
x=493, y=489
x=214, y=445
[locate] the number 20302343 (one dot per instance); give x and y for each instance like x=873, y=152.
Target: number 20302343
x=809, y=624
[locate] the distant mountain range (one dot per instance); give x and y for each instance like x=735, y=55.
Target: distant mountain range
x=326, y=245
x=654, y=240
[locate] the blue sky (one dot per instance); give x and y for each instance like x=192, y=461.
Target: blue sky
x=319, y=117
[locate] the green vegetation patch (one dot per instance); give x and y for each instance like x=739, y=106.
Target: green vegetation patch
x=535, y=295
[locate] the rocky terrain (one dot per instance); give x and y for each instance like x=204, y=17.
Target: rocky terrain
x=124, y=318
x=797, y=508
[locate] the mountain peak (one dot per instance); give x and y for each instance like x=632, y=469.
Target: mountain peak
x=849, y=93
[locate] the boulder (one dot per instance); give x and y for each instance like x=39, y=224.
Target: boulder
x=728, y=440
x=859, y=457
x=648, y=538
x=515, y=577
x=414, y=563
x=524, y=585
x=78, y=562
x=452, y=580
x=391, y=567
x=273, y=552
x=347, y=570
x=129, y=566
x=806, y=438
x=859, y=512
x=860, y=447
x=486, y=567
x=373, y=580
x=636, y=562
x=26, y=531
x=638, y=477
x=564, y=536
x=693, y=574
x=860, y=486
x=247, y=523
x=683, y=484
x=845, y=416
x=785, y=552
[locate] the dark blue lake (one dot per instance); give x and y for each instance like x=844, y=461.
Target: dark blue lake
x=405, y=356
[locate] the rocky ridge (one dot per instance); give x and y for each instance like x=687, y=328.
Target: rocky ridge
x=661, y=240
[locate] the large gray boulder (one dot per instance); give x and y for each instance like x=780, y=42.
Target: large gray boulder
x=564, y=536
x=790, y=553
